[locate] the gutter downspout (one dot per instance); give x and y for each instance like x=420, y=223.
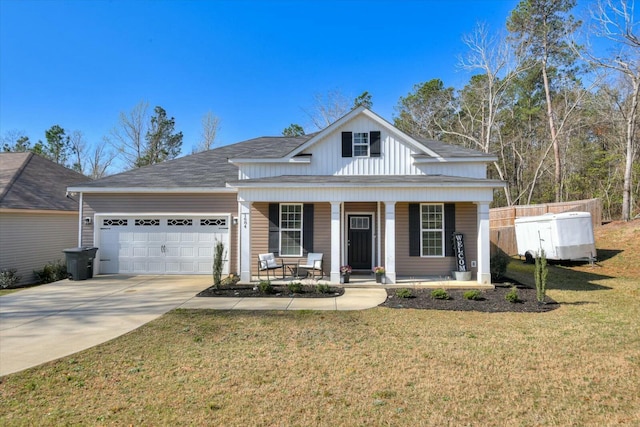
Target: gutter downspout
x=80, y=221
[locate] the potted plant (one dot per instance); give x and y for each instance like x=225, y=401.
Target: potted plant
x=345, y=271
x=379, y=272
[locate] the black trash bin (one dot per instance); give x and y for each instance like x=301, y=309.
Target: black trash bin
x=80, y=262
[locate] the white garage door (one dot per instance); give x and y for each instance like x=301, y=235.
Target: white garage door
x=160, y=244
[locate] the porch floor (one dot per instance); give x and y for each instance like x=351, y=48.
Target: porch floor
x=369, y=280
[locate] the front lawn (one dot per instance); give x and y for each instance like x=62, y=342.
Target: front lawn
x=576, y=365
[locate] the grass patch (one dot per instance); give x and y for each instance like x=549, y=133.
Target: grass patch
x=372, y=367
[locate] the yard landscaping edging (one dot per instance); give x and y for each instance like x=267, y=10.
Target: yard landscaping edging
x=491, y=300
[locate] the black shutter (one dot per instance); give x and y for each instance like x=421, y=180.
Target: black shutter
x=375, y=143
x=414, y=229
x=307, y=231
x=347, y=144
x=274, y=228
x=449, y=228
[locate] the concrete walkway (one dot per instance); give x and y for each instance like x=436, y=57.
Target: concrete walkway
x=47, y=322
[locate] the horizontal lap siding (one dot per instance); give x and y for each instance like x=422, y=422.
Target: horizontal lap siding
x=160, y=203
x=29, y=241
x=407, y=266
x=260, y=234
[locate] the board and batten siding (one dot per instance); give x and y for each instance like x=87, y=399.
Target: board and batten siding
x=466, y=223
x=260, y=235
x=224, y=203
x=395, y=159
x=28, y=241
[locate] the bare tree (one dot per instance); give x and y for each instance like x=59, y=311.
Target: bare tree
x=100, y=161
x=327, y=108
x=90, y=161
x=15, y=140
x=210, y=126
x=128, y=136
x=78, y=148
x=490, y=55
x=614, y=20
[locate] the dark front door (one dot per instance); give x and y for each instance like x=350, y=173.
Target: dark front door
x=359, y=246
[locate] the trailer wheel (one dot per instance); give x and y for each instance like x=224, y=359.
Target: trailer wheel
x=528, y=258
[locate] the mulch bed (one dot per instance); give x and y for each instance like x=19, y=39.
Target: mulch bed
x=493, y=301
x=279, y=291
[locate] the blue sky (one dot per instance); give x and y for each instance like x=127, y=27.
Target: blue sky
x=255, y=64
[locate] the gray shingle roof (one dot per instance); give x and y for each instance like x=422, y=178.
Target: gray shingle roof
x=449, y=150
x=28, y=181
x=208, y=169
x=211, y=169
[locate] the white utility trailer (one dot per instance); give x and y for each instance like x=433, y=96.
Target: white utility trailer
x=563, y=236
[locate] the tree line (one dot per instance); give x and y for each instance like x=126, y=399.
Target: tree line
x=561, y=119
x=139, y=139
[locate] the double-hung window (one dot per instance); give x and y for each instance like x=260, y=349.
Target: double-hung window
x=291, y=230
x=361, y=144
x=432, y=230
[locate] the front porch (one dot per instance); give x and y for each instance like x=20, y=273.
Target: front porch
x=369, y=280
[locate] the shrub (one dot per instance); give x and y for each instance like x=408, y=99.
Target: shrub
x=265, y=287
x=439, y=294
x=473, y=294
x=231, y=280
x=218, y=260
x=512, y=295
x=404, y=293
x=498, y=265
x=8, y=278
x=295, y=287
x=52, y=272
x=323, y=288
x=540, y=275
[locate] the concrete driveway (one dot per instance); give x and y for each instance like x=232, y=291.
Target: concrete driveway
x=55, y=320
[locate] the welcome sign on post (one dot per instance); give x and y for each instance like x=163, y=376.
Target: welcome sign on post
x=458, y=247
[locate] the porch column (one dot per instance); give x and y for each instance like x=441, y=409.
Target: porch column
x=244, y=229
x=335, y=242
x=390, y=241
x=484, y=244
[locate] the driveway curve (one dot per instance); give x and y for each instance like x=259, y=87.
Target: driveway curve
x=51, y=321
x=47, y=322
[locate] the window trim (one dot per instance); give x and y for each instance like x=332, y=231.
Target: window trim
x=355, y=144
x=282, y=229
x=441, y=230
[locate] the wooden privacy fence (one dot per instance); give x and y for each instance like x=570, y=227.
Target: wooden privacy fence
x=501, y=220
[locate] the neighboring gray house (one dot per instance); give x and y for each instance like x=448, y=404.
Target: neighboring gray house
x=360, y=191
x=37, y=220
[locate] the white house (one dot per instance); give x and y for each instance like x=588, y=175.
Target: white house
x=361, y=192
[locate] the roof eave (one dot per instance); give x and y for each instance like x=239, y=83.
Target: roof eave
x=299, y=159
x=483, y=184
x=150, y=190
x=484, y=159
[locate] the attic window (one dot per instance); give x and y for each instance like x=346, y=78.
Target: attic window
x=360, y=144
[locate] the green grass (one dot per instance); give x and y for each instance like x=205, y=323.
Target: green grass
x=577, y=365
